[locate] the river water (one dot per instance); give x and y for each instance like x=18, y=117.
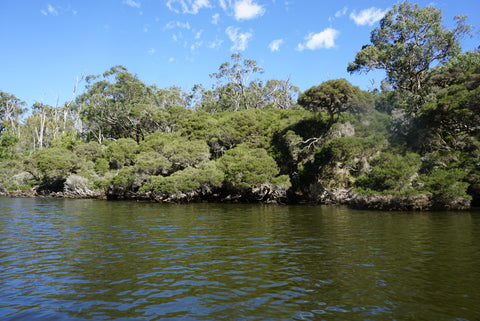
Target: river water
x=104, y=260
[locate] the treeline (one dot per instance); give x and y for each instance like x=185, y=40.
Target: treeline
x=414, y=144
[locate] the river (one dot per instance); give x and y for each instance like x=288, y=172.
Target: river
x=104, y=260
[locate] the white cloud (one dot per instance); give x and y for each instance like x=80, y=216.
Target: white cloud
x=151, y=51
x=341, y=13
x=196, y=45
x=187, y=6
x=215, y=18
x=247, y=9
x=50, y=11
x=275, y=45
x=240, y=40
x=217, y=43
x=324, y=39
x=132, y=3
x=368, y=16
x=198, y=34
x=178, y=24
x=223, y=4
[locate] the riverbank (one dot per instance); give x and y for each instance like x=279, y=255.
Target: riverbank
x=421, y=202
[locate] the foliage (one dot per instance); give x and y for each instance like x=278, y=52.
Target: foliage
x=246, y=168
x=246, y=138
x=78, y=184
x=408, y=43
x=183, y=153
x=233, y=95
x=446, y=184
x=333, y=96
x=121, y=153
x=390, y=173
x=456, y=110
x=11, y=109
x=338, y=161
x=55, y=162
x=203, y=179
x=153, y=163
x=123, y=181
x=179, y=151
x=90, y=151
x=124, y=107
x=8, y=140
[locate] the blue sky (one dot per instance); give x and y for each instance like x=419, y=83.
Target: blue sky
x=47, y=44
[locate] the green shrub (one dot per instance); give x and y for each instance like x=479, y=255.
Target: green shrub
x=8, y=141
x=446, y=184
x=56, y=162
x=121, y=152
x=390, y=172
x=183, y=153
x=90, y=151
x=101, y=165
x=246, y=168
x=153, y=163
x=203, y=179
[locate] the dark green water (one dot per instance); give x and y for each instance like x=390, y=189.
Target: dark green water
x=99, y=260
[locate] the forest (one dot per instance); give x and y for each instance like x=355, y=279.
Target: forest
x=413, y=144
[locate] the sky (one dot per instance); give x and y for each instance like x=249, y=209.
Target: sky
x=46, y=45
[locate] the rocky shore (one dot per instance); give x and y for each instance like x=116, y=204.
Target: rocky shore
x=422, y=202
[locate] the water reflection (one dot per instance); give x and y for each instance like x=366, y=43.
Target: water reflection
x=83, y=259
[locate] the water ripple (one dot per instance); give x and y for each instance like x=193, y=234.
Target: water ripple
x=83, y=260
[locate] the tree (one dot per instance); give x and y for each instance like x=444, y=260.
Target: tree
x=333, y=96
x=117, y=109
x=246, y=168
x=408, y=43
x=235, y=92
x=281, y=93
x=11, y=108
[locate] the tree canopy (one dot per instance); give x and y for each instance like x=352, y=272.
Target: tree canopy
x=416, y=140
x=409, y=42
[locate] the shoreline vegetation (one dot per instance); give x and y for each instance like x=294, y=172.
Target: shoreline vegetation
x=413, y=144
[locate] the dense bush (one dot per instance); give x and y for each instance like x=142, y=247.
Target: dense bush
x=200, y=181
x=55, y=162
x=446, y=184
x=246, y=168
x=390, y=173
x=121, y=153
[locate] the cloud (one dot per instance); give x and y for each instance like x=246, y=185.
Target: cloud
x=223, y=4
x=196, y=45
x=177, y=24
x=247, y=9
x=187, y=6
x=215, y=18
x=217, y=43
x=338, y=14
x=368, y=16
x=341, y=13
x=50, y=11
x=151, y=51
x=132, y=3
x=240, y=40
x=198, y=34
x=275, y=45
x=324, y=39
